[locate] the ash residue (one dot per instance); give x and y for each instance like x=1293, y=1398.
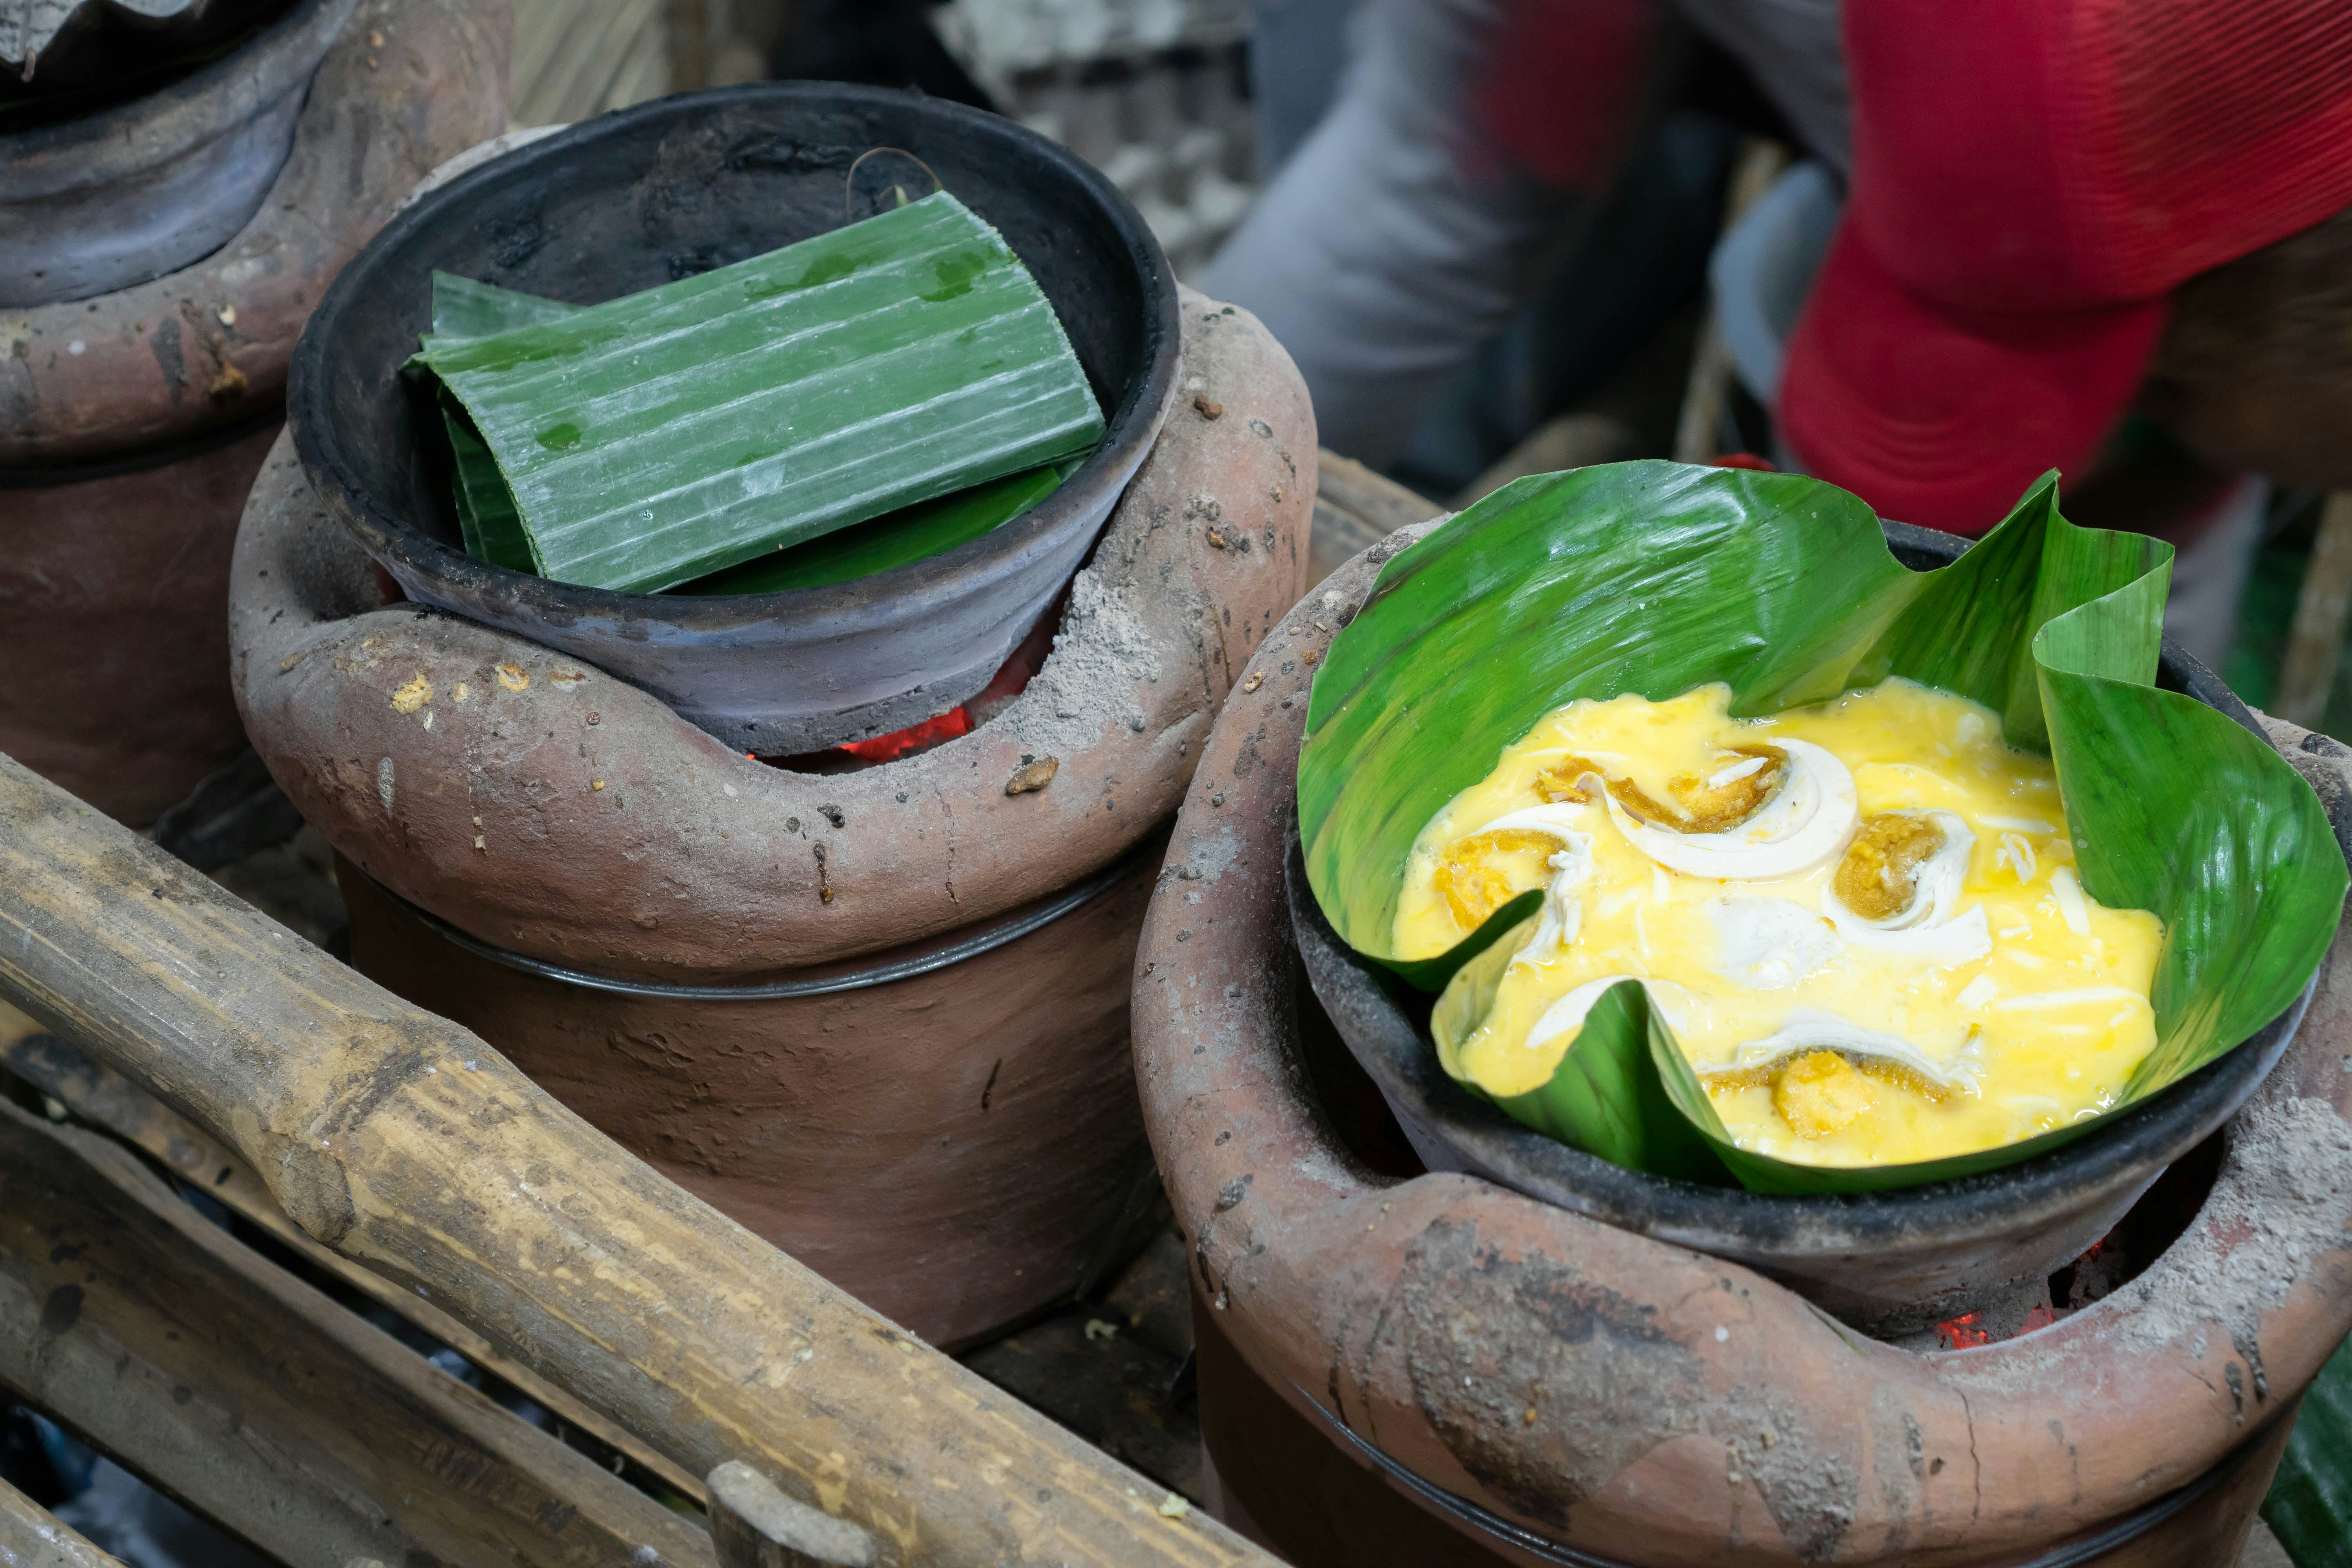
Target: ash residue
x=1542, y=1383
x=1101, y=655
x=1545, y=1384
x=1811, y=1493
x=2284, y=1196
x=1411, y=534
x=1212, y=856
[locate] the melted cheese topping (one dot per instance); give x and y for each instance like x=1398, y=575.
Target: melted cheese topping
x=2040, y=1030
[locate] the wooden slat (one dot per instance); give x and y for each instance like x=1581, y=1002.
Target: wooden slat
x=574, y=58
x=1379, y=501
x=130, y=1113
x=1760, y=164
x=287, y=1420
x=689, y=45
x=400, y=1140
x=755, y=1526
x=2316, y=641
x=1355, y=508
x=32, y=1537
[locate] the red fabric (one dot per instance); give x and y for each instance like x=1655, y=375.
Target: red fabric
x=2031, y=178
x=1561, y=88
x=1943, y=417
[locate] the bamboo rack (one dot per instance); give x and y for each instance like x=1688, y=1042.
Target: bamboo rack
x=404, y=1143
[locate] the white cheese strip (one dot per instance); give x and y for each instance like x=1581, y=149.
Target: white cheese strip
x=1736, y=771
x=1768, y=943
x=2038, y=1001
x=1563, y=908
x=1569, y=1012
x=2071, y=905
x=1810, y=1029
x=1978, y=991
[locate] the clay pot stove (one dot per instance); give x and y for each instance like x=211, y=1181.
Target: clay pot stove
x=1399, y=1366
x=877, y=1016
x=132, y=423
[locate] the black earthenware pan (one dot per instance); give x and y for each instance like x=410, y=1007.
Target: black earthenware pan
x=633, y=199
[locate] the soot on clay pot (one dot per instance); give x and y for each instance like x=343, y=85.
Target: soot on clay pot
x=633, y=199
x=1890, y=1262
x=1400, y=1365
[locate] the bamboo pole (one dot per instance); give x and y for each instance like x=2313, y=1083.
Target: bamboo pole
x=291, y=1423
x=400, y=1140
x=2316, y=641
x=98, y=1095
x=33, y=1537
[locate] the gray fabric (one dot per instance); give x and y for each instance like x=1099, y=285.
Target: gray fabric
x=147, y=1530
x=1763, y=269
x=1378, y=264
x=1297, y=52
x=2209, y=577
x=1382, y=265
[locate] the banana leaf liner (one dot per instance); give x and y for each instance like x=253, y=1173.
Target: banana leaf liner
x=493, y=530
x=672, y=433
x=1651, y=578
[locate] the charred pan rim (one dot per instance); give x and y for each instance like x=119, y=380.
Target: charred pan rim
x=2120, y=1155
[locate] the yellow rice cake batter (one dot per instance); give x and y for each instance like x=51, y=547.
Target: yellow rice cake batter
x=2012, y=1021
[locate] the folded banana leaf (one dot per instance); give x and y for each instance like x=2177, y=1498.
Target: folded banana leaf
x=909, y=534
x=1652, y=578
x=486, y=511
x=668, y=434
x=463, y=309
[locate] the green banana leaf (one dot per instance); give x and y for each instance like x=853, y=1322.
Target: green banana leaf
x=1608, y=1097
x=494, y=531
x=463, y=309
x=1652, y=578
x=656, y=438
x=2309, y=1507
x=909, y=534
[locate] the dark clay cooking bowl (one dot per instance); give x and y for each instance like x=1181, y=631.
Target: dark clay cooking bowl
x=1889, y=1263
x=633, y=199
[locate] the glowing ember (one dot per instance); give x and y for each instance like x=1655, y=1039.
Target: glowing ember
x=914, y=738
x=1963, y=1332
